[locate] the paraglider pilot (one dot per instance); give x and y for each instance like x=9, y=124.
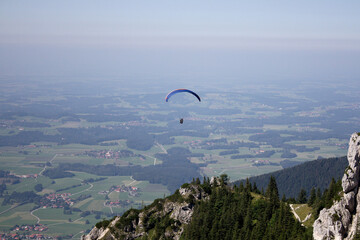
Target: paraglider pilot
x=178, y=91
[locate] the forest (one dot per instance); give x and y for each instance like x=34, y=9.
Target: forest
x=317, y=173
x=237, y=214
x=227, y=212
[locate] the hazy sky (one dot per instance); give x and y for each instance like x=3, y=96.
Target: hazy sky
x=184, y=40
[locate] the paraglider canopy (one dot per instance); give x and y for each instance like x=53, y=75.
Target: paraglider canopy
x=179, y=91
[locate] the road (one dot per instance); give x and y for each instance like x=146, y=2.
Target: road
x=10, y=208
x=132, y=181
x=295, y=214
x=33, y=211
x=88, y=189
x=51, y=161
x=40, y=173
x=81, y=232
x=108, y=206
x=162, y=148
x=32, y=214
x=151, y=157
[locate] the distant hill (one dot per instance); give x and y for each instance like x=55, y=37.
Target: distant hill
x=316, y=174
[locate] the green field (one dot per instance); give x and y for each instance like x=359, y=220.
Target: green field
x=93, y=128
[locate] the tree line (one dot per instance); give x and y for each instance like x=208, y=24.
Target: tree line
x=317, y=173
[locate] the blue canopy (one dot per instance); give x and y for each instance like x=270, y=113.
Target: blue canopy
x=181, y=90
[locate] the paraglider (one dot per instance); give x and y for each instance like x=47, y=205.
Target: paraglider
x=179, y=91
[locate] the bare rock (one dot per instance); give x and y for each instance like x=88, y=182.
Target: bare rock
x=332, y=223
x=338, y=222
x=348, y=201
x=95, y=233
x=350, y=180
x=214, y=181
x=182, y=212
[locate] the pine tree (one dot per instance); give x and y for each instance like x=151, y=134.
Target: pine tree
x=224, y=179
x=248, y=185
x=272, y=193
x=241, y=187
x=197, y=181
x=312, y=197
x=302, y=196
x=255, y=189
x=236, y=231
x=330, y=194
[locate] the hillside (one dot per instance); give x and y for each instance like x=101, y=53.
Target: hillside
x=216, y=210
x=208, y=210
x=305, y=176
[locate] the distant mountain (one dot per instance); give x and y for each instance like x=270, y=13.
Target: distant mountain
x=305, y=176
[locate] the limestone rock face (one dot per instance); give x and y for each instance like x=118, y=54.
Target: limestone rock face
x=350, y=180
x=332, y=223
x=101, y=233
x=195, y=191
x=93, y=234
x=182, y=212
x=340, y=221
x=349, y=201
x=214, y=181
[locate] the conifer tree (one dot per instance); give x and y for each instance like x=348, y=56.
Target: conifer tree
x=312, y=197
x=255, y=189
x=272, y=193
x=224, y=179
x=241, y=187
x=248, y=185
x=302, y=196
x=197, y=181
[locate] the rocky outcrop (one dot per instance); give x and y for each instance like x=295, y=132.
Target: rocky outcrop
x=340, y=221
x=134, y=224
x=100, y=233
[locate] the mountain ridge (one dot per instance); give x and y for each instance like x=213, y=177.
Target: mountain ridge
x=241, y=211
x=316, y=173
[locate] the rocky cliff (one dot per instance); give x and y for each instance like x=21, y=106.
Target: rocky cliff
x=342, y=219
x=174, y=212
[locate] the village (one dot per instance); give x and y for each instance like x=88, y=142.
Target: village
x=36, y=228
x=37, y=236
x=16, y=236
x=118, y=203
x=133, y=191
x=57, y=200
x=112, y=154
x=20, y=232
